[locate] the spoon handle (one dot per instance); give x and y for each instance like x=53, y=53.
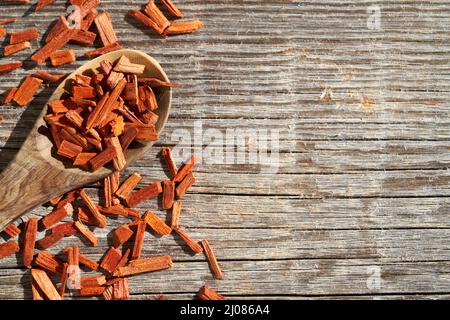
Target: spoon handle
x=21, y=189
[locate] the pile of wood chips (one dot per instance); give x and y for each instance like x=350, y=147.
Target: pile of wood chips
x=122, y=259
x=105, y=113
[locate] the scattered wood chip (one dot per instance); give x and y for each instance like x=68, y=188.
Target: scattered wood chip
x=60, y=26
x=152, y=11
x=119, y=210
x=29, y=241
x=173, y=10
x=9, y=95
x=105, y=29
x=49, y=240
x=185, y=169
x=193, y=245
x=141, y=17
x=121, y=235
x=85, y=7
x=139, y=240
x=48, y=77
x=36, y=291
x=111, y=259
x=87, y=233
x=92, y=291
x=91, y=264
x=89, y=19
x=13, y=48
x=84, y=38
x=209, y=253
x=47, y=261
x=145, y=265
x=8, y=248
x=45, y=284
x=184, y=185
x=8, y=67
x=170, y=162
x=176, y=211
x=206, y=293
x=121, y=289
x=128, y=185
x=59, y=58
x=9, y=20
x=103, y=50
x=22, y=36
x=144, y=193
x=124, y=260
x=168, y=194
x=17, y=1
x=67, y=229
x=57, y=215
x=53, y=45
x=64, y=278
x=26, y=91
x=176, y=28
x=157, y=224
x=12, y=230
x=94, y=281
x=101, y=219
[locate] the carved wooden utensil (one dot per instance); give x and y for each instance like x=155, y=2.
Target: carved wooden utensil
x=35, y=176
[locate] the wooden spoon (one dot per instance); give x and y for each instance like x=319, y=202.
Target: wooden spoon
x=35, y=176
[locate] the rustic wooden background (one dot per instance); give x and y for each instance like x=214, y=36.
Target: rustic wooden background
x=360, y=205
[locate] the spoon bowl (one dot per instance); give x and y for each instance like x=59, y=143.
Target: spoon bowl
x=37, y=174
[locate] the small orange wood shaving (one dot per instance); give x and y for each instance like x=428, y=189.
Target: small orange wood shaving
x=45, y=284
x=12, y=230
x=194, y=246
x=8, y=248
x=144, y=265
x=209, y=253
x=156, y=224
x=26, y=91
x=13, y=48
x=29, y=241
x=22, y=36
x=206, y=293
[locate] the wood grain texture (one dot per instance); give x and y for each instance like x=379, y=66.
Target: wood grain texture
x=362, y=186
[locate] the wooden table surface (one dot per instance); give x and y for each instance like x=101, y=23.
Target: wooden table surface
x=358, y=206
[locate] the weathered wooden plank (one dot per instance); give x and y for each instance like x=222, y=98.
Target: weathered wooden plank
x=315, y=157
x=283, y=243
x=299, y=277
x=288, y=132
x=367, y=184
x=408, y=183
x=203, y=211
